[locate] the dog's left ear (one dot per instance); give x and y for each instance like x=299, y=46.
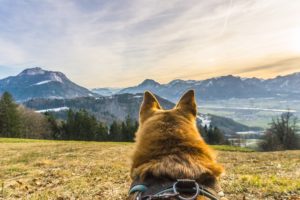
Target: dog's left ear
x=149, y=106
x=187, y=104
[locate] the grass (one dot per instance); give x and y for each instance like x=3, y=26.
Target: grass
x=41, y=169
x=231, y=148
x=20, y=140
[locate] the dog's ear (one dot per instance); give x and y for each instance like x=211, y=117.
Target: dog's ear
x=149, y=106
x=187, y=104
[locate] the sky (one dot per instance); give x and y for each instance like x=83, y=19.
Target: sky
x=120, y=43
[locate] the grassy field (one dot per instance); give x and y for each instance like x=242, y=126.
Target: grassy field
x=37, y=169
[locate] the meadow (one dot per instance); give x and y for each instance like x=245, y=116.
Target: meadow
x=62, y=170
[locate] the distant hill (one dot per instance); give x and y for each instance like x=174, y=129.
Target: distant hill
x=39, y=83
x=106, y=91
x=224, y=87
x=229, y=126
x=117, y=107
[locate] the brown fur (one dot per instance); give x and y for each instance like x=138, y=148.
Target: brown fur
x=168, y=143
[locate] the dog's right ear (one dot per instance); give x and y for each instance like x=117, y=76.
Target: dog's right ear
x=187, y=104
x=149, y=106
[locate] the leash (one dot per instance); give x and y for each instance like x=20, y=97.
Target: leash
x=182, y=189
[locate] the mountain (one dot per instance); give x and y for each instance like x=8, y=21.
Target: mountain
x=107, y=109
x=39, y=83
x=288, y=83
x=215, y=88
x=106, y=91
x=118, y=107
x=224, y=87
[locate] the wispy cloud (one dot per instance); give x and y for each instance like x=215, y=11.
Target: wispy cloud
x=284, y=66
x=117, y=43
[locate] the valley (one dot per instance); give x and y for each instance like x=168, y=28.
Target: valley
x=253, y=111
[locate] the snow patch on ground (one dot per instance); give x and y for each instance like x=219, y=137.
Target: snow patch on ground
x=205, y=120
x=53, y=109
x=250, y=132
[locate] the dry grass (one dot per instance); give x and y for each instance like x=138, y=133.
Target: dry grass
x=91, y=170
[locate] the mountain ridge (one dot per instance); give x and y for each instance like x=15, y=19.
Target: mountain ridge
x=39, y=83
x=224, y=87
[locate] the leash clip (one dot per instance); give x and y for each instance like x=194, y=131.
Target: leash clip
x=185, y=185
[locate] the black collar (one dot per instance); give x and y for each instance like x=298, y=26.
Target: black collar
x=182, y=189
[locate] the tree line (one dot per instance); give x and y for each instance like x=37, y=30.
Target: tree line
x=20, y=122
x=213, y=135
x=16, y=121
x=80, y=125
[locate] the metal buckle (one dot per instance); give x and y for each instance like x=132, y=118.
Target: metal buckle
x=186, y=184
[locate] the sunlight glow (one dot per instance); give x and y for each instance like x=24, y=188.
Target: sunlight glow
x=294, y=41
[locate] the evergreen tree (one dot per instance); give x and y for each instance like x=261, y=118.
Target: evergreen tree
x=9, y=117
x=210, y=136
x=204, y=132
x=102, y=132
x=115, y=132
x=124, y=132
x=55, y=128
x=129, y=127
x=80, y=126
x=215, y=136
x=68, y=126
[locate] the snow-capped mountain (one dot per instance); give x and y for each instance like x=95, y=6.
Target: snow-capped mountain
x=215, y=88
x=39, y=83
x=288, y=83
x=224, y=87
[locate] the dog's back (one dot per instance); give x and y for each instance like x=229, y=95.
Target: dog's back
x=169, y=146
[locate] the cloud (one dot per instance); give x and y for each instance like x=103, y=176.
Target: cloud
x=118, y=43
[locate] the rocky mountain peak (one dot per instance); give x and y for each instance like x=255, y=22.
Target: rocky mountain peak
x=32, y=71
x=149, y=82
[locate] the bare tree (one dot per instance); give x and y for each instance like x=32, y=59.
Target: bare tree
x=34, y=125
x=282, y=134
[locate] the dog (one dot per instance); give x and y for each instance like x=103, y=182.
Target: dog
x=171, y=156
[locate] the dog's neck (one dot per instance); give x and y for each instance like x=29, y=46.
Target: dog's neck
x=192, y=160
